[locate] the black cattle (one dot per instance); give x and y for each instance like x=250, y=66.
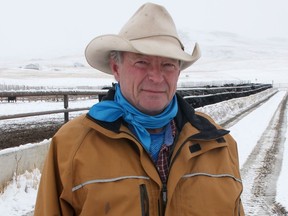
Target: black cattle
x=11, y=99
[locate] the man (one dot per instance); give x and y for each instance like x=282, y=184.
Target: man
x=143, y=150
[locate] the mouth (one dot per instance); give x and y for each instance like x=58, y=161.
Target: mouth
x=153, y=91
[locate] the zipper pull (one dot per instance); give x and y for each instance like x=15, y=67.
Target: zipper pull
x=164, y=195
x=162, y=203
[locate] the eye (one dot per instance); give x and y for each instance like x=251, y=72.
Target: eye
x=141, y=63
x=170, y=67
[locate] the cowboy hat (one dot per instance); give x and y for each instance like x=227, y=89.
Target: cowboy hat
x=150, y=31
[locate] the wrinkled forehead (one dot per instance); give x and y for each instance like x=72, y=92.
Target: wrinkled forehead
x=133, y=55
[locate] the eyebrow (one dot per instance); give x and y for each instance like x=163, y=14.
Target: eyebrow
x=139, y=55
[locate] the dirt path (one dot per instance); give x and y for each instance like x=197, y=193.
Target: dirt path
x=261, y=170
x=15, y=133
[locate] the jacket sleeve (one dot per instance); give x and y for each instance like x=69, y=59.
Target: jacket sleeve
x=49, y=199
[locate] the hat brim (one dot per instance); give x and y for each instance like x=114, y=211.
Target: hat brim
x=98, y=50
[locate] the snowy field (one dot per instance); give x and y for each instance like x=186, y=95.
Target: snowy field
x=226, y=58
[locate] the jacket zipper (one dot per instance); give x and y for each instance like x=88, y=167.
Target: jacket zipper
x=144, y=200
x=164, y=195
x=164, y=185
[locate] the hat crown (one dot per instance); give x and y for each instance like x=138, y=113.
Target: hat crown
x=150, y=31
x=148, y=21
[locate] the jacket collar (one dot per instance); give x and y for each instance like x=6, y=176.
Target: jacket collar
x=206, y=129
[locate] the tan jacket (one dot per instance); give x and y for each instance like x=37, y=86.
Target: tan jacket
x=97, y=168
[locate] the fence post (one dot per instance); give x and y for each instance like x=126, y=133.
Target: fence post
x=66, y=114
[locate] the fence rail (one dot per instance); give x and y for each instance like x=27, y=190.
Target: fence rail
x=51, y=93
x=22, y=115
x=13, y=95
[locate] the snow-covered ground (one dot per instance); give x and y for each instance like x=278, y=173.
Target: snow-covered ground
x=226, y=58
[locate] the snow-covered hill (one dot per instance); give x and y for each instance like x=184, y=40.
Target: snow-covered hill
x=226, y=57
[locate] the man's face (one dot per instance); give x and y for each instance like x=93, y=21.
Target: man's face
x=147, y=82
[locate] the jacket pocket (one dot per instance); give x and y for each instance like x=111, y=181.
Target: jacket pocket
x=144, y=200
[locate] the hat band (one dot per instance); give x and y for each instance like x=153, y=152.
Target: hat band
x=159, y=36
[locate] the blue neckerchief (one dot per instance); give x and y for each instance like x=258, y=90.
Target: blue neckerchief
x=165, y=137
x=112, y=110
x=157, y=140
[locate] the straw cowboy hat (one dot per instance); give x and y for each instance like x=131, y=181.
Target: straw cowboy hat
x=150, y=31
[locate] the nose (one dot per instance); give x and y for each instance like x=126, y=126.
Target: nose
x=155, y=74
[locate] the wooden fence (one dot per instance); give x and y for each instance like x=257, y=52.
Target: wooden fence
x=194, y=96
x=65, y=94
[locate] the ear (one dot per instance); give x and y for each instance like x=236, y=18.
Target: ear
x=115, y=69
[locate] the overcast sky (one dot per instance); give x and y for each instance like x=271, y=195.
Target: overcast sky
x=52, y=28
